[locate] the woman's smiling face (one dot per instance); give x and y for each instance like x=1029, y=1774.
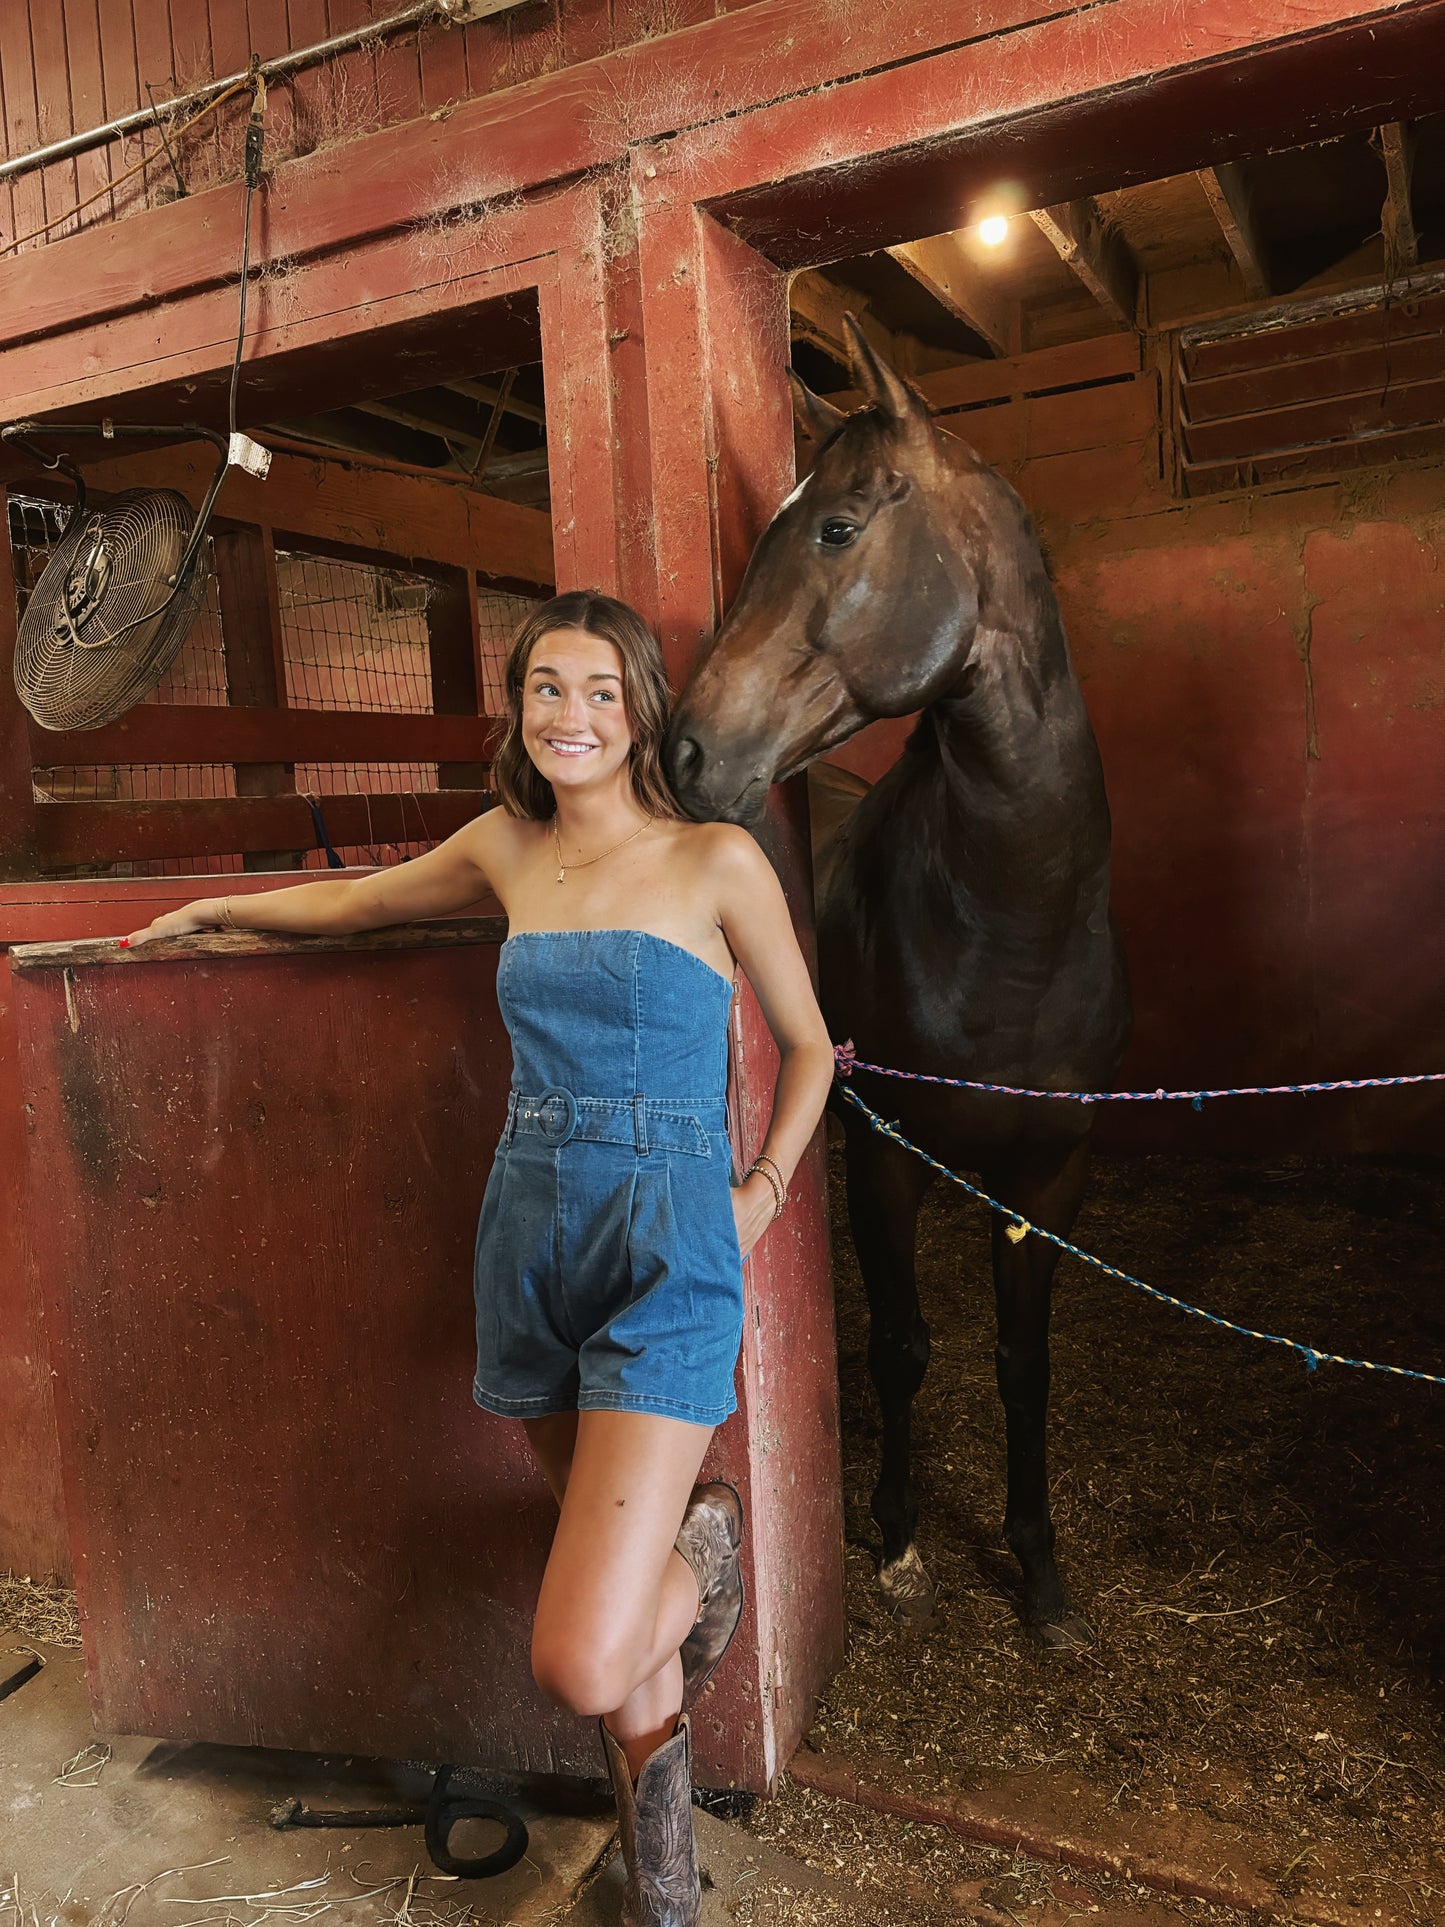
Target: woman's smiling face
x=574, y=718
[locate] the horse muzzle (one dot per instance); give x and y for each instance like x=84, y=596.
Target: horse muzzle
x=713, y=788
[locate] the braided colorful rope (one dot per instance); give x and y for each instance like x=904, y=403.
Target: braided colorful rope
x=1018, y=1228
x=848, y=1061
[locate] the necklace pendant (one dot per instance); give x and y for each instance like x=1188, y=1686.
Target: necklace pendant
x=561, y=876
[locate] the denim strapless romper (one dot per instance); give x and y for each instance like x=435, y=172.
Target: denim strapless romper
x=607, y=1272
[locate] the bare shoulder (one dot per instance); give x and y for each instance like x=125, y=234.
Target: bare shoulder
x=497, y=838
x=725, y=851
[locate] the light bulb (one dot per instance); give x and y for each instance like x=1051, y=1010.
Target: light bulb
x=994, y=230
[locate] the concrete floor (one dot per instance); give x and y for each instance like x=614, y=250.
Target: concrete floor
x=181, y=1835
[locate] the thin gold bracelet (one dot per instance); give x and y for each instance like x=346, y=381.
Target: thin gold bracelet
x=766, y=1157
x=779, y=1195
x=223, y=914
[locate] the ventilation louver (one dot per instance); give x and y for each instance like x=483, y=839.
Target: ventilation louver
x=1313, y=389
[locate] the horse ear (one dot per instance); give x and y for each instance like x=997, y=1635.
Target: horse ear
x=884, y=387
x=817, y=417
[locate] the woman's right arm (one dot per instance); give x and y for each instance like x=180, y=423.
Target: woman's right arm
x=453, y=875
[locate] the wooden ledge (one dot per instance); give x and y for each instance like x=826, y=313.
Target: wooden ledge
x=85, y=951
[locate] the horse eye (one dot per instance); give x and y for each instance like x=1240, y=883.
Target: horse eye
x=837, y=534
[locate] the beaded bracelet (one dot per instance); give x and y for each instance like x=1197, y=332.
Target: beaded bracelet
x=779, y=1189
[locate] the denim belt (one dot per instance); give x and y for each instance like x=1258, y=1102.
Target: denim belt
x=645, y=1123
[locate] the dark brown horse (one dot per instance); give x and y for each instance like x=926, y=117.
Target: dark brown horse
x=965, y=927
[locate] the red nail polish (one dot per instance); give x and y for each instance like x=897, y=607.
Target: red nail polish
x=125, y=943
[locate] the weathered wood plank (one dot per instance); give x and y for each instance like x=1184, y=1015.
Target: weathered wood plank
x=1097, y=254
x=945, y=267
x=410, y=518
x=1397, y=216
x=1226, y=188
x=215, y=733
x=430, y=934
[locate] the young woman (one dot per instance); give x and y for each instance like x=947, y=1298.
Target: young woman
x=608, y=1263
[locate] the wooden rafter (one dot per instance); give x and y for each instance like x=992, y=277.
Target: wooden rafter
x=348, y=429
x=1397, y=220
x=1096, y=252
x=1228, y=194
x=484, y=393
x=943, y=266
x=424, y=420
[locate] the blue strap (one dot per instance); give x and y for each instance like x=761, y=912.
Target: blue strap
x=323, y=841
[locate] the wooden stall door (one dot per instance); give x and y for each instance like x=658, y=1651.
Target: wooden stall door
x=258, y=1162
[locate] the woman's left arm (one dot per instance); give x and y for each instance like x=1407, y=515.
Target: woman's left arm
x=754, y=916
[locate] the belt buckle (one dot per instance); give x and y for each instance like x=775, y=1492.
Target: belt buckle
x=556, y=1114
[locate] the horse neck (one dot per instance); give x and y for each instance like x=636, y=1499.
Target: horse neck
x=1007, y=773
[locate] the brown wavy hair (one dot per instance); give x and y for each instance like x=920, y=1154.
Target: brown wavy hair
x=517, y=783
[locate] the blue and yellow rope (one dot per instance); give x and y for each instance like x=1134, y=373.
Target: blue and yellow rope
x=1018, y=1228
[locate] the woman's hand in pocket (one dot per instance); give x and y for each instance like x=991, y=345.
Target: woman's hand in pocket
x=754, y=1206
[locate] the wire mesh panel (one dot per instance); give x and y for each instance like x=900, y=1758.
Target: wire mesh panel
x=354, y=636
x=499, y=615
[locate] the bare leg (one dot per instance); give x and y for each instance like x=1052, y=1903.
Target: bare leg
x=617, y=1599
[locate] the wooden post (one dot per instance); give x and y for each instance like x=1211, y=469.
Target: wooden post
x=255, y=663
x=701, y=456
x=453, y=645
x=17, y=793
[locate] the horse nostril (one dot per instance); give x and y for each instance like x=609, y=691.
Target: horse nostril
x=686, y=755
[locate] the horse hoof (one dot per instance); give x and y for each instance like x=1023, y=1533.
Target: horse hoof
x=907, y=1588
x=1069, y=1633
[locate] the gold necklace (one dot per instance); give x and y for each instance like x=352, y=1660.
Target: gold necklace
x=562, y=867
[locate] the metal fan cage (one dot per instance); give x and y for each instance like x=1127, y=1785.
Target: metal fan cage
x=103, y=623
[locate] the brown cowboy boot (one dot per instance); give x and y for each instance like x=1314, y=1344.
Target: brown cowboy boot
x=712, y=1531
x=654, y=1824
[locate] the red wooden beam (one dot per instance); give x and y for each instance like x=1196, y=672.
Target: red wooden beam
x=453, y=634
x=592, y=350
x=363, y=509
x=246, y=587
x=354, y=327
x=708, y=410
x=213, y=733
x=81, y=833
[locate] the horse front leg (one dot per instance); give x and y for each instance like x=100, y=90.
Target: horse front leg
x=885, y=1188
x=1023, y=1276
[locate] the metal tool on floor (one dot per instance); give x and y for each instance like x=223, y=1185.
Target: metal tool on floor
x=440, y=1814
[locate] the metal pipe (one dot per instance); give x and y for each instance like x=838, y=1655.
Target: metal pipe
x=415, y=15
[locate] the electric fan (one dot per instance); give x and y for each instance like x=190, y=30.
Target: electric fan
x=118, y=596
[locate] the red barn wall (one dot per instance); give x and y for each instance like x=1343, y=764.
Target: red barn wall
x=71, y=64
x=1266, y=675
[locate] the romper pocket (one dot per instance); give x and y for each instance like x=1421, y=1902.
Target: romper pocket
x=653, y=1251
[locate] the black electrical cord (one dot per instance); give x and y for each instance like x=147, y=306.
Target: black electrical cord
x=255, y=139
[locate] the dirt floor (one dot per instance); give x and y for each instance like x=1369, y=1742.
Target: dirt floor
x=1261, y=1550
